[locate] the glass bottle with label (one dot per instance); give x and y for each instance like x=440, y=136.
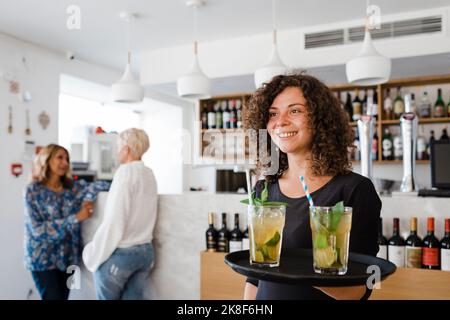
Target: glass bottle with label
x=223, y=238
x=388, y=105
x=357, y=147
x=398, y=147
x=219, y=123
x=205, y=118
x=245, y=240
x=444, y=135
x=425, y=106
x=364, y=104
x=236, y=235
x=431, y=248
x=356, y=105
x=399, y=104
x=349, y=107
x=431, y=141
x=211, y=118
x=387, y=145
x=374, y=111
x=211, y=234
x=445, y=248
x=414, y=107
x=225, y=115
x=413, y=256
x=396, y=248
x=439, y=106
x=233, y=115
x=382, y=242
x=422, y=153
x=239, y=113
x=375, y=147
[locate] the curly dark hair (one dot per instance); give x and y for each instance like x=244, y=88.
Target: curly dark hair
x=332, y=135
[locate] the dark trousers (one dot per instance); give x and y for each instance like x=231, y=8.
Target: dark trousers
x=51, y=284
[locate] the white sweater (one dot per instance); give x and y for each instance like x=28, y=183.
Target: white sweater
x=129, y=217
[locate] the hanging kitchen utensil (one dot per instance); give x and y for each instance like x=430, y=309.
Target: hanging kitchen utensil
x=28, y=130
x=10, y=127
x=44, y=120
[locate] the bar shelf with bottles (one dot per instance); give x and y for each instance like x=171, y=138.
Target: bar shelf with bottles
x=386, y=103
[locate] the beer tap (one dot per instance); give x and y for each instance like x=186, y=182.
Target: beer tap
x=409, y=124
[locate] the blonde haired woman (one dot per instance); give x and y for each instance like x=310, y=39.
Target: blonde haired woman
x=121, y=254
x=55, y=206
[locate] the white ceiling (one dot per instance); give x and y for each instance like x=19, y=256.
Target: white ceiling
x=166, y=23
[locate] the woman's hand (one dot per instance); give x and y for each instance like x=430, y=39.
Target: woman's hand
x=86, y=211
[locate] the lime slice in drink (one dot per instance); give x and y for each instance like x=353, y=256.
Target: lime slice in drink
x=274, y=240
x=259, y=256
x=324, y=257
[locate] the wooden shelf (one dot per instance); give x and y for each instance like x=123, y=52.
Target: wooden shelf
x=421, y=121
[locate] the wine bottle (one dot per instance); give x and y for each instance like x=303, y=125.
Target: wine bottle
x=439, y=106
x=448, y=109
x=399, y=104
x=413, y=247
x=245, y=240
x=356, y=105
x=219, y=123
x=388, y=148
x=225, y=115
x=414, y=107
x=398, y=147
x=205, y=118
x=211, y=118
x=364, y=104
x=233, y=115
x=357, y=147
x=431, y=141
x=396, y=248
x=444, y=135
x=211, y=234
x=223, y=238
x=425, y=106
x=382, y=242
x=236, y=235
x=387, y=105
x=431, y=246
x=421, y=146
x=349, y=107
x=445, y=248
x=375, y=147
x=239, y=114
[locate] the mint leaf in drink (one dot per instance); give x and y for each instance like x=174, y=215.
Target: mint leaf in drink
x=265, y=192
x=274, y=240
x=321, y=241
x=335, y=216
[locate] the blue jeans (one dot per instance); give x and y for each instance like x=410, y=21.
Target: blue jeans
x=125, y=275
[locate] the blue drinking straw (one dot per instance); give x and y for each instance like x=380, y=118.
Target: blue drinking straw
x=305, y=188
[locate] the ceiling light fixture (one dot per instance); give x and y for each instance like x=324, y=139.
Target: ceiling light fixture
x=369, y=67
x=127, y=89
x=194, y=84
x=275, y=66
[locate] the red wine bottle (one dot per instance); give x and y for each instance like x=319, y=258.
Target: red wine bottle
x=382, y=242
x=431, y=248
x=413, y=257
x=236, y=236
x=445, y=248
x=396, y=249
x=223, y=244
x=211, y=234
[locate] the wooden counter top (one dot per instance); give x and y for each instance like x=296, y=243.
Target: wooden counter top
x=414, y=284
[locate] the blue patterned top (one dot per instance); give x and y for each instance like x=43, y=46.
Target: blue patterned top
x=52, y=232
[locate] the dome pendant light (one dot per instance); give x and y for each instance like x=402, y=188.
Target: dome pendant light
x=369, y=67
x=194, y=84
x=127, y=89
x=275, y=66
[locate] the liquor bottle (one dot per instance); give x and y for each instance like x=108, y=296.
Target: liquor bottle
x=219, y=123
x=372, y=102
x=387, y=105
x=356, y=106
x=431, y=141
x=444, y=135
x=448, y=109
x=431, y=247
x=349, y=107
x=414, y=107
x=421, y=146
x=205, y=118
x=382, y=242
x=445, y=248
x=375, y=147
x=364, y=104
x=439, y=106
x=236, y=235
x=211, y=118
x=413, y=257
x=225, y=115
x=425, y=106
x=398, y=147
x=233, y=115
x=388, y=148
x=223, y=238
x=239, y=113
x=357, y=147
x=399, y=104
x=245, y=240
x=396, y=249
x=211, y=234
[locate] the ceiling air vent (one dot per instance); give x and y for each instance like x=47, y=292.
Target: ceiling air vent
x=323, y=39
x=387, y=30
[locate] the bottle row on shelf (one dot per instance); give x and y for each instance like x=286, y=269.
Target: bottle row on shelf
x=415, y=252
x=392, y=145
x=357, y=104
x=224, y=240
x=222, y=114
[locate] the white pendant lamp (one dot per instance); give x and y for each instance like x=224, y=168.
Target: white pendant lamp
x=275, y=66
x=127, y=89
x=369, y=67
x=194, y=84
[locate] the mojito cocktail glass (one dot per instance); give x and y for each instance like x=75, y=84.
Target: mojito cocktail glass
x=265, y=231
x=330, y=228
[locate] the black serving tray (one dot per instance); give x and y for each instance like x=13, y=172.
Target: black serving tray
x=296, y=267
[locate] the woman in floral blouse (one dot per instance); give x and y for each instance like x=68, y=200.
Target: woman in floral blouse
x=55, y=206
